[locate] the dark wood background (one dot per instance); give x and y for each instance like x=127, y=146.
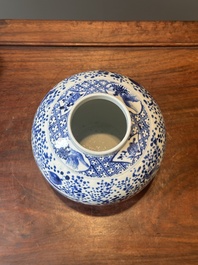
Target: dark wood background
x=159, y=225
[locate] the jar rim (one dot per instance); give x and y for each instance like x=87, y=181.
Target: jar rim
x=115, y=101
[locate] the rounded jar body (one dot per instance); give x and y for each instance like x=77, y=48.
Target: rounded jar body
x=98, y=137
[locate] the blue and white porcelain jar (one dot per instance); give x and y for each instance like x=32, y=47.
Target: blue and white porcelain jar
x=98, y=137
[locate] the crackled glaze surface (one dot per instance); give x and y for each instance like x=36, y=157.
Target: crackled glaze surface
x=97, y=179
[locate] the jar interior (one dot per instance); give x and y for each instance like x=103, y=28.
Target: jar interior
x=98, y=124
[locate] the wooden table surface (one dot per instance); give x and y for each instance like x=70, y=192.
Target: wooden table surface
x=159, y=225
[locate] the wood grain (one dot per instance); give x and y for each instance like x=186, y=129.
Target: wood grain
x=159, y=225
x=94, y=33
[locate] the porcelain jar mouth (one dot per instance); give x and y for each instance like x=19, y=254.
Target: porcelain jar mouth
x=99, y=124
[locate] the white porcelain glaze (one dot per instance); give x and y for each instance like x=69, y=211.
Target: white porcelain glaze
x=68, y=142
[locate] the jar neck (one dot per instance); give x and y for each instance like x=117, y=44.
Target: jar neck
x=99, y=124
